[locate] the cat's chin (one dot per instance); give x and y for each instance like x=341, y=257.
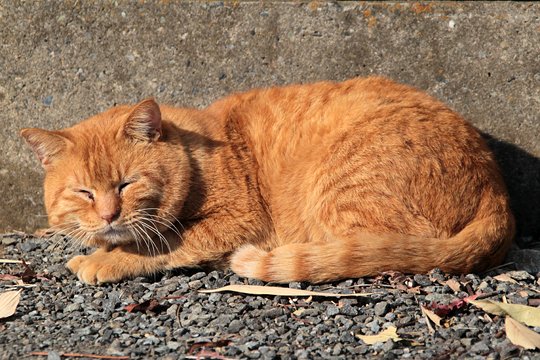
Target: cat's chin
x=114, y=235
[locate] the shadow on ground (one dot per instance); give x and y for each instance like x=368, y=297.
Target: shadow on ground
x=521, y=172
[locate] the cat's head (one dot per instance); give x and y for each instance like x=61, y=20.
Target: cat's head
x=111, y=178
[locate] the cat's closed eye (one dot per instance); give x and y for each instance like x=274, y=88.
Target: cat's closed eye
x=123, y=185
x=85, y=193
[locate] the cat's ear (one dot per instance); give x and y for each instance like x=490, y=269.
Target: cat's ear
x=144, y=121
x=45, y=144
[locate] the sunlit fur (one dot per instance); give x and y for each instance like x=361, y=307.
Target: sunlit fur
x=307, y=182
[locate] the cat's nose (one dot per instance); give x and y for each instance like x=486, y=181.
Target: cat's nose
x=109, y=217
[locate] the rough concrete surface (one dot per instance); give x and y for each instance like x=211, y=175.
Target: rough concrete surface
x=63, y=61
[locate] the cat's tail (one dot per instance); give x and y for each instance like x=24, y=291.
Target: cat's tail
x=479, y=246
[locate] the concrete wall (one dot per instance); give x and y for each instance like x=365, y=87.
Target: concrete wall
x=63, y=61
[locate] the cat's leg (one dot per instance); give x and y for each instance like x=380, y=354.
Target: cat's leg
x=209, y=241
x=113, y=265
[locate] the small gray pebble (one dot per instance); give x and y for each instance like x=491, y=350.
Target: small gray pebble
x=272, y=313
x=196, y=284
x=83, y=331
x=388, y=345
x=517, y=299
x=466, y=342
x=53, y=355
x=440, y=298
x=198, y=276
x=9, y=241
x=171, y=311
x=310, y=312
x=422, y=280
x=520, y=275
x=72, y=307
x=214, y=297
x=346, y=283
x=374, y=326
x=253, y=354
x=79, y=299
x=28, y=246
x=381, y=308
x=252, y=345
x=480, y=347
x=161, y=349
x=173, y=345
x=348, y=310
x=295, y=285
x=332, y=310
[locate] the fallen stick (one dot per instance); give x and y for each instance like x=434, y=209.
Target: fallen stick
x=93, y=356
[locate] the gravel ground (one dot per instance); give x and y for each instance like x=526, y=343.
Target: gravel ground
x=58, y=314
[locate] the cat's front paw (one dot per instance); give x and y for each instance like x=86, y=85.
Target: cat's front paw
x=98, y=268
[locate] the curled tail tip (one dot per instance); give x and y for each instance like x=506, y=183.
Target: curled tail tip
x=248, y=262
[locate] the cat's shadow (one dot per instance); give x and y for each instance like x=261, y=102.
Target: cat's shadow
x=521, y=172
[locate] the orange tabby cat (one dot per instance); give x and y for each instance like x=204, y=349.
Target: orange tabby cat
x=305, y=182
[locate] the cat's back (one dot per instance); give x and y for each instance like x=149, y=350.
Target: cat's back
x=297, y=123
x=293, y=119
x=369, y=134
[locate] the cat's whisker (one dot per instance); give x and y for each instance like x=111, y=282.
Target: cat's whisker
x=151, y=239
x=148, y=240
x=158, y=219
x=134, y=238
x=64, y=229
x=144, y=236
x=160, y=236
x=168, y=213
x=152, y=223
x=141, y=234
x=165, y=222
x=77, y=239
x=55, y=229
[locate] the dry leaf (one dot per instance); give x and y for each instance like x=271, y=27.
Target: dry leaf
x=80, y=355
x=9, y=277
x=299, y=311
x=8, y=302
x=526, y=314
x=523, y=294
x=454, y=285
x=428, y=324
x=388, y=334
x=443, y=310
x=521, y=335
x=431, y=315
x=208, y=344
x=275, y=290
x=28, y=274
x=9, y=261
x=504, y=277
x=152, y=305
